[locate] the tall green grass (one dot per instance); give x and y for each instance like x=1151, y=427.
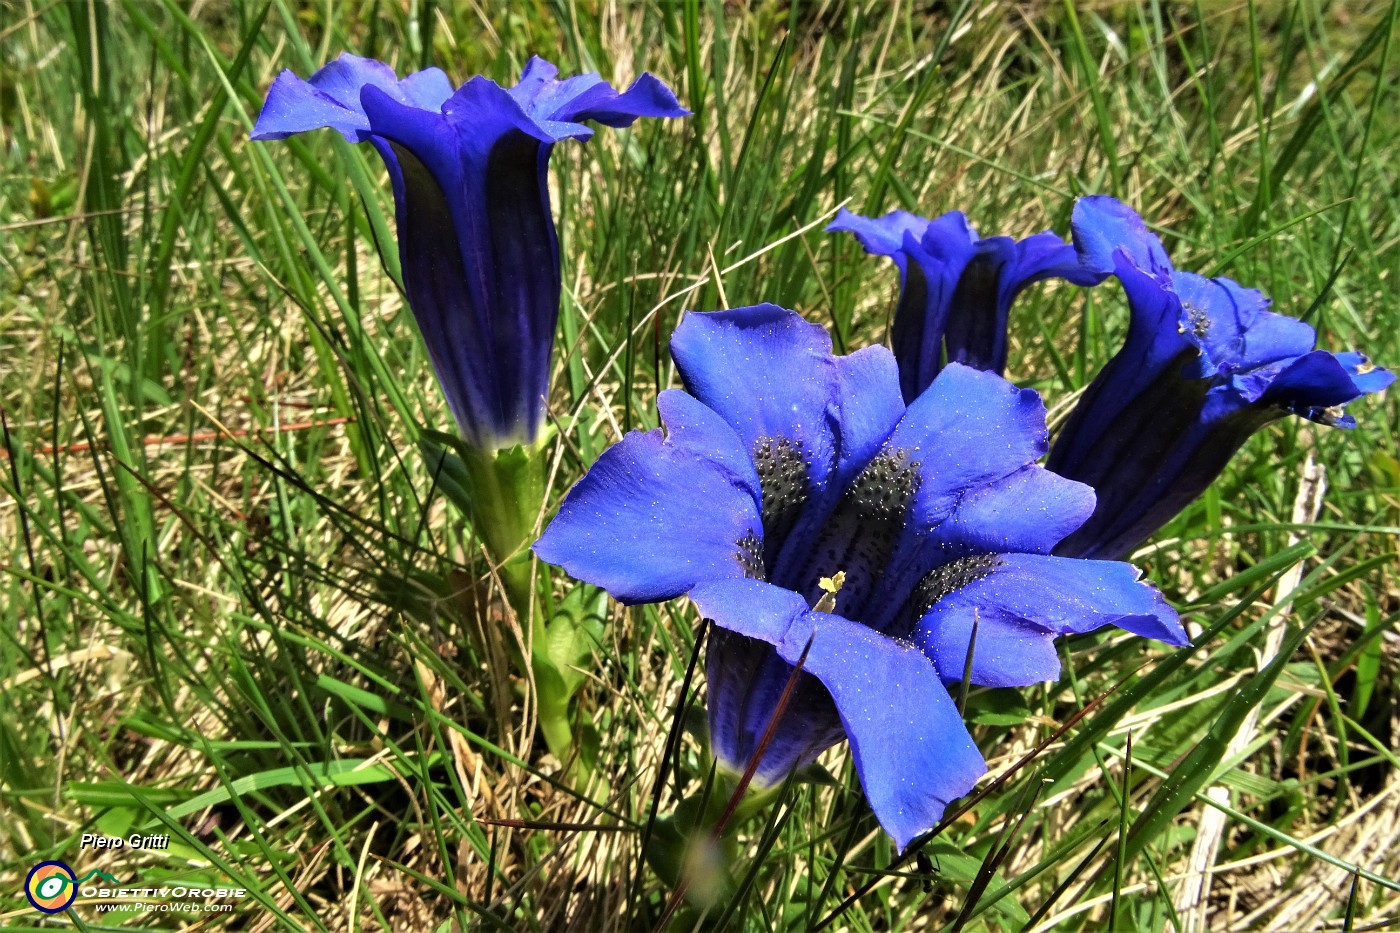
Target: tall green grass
x=237, y=609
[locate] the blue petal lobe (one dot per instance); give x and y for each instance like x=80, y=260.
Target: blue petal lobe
x=1368, y=377
x=694, y=427
x=766, y=372
x=1313, y=379
x=1028, y=511
x=649, y=521
x=910, y=747
x=331, y=98
x=1233, y=327
x=747, y=677
x=1104, y=226
x=882, y=236
x=868, y=406
x=1028, y=599
x=967, y=428
x=750, y=607
x=560, y=107
x=987, y=284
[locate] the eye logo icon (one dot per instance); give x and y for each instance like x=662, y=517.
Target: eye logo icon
x=51, y=887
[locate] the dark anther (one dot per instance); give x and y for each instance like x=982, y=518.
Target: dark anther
x=1200, y=320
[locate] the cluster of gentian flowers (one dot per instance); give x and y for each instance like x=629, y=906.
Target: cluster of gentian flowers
x=864, y=531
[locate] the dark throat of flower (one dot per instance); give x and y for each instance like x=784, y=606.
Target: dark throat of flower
x=976, y=333
x=843, y=567
x=839, y=566
x=785, y=487
x=856, y=539
x=938, y=583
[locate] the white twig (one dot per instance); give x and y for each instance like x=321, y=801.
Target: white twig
x=1193, y=895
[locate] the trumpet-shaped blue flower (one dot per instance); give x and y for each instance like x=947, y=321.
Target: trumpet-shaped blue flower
x=956, y=289
x=782, y=465
x=1203, y=367
x=479, y=252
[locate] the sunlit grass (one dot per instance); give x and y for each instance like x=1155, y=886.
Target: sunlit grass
x=239, y=611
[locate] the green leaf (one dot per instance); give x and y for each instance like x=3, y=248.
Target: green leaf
x=348, y=772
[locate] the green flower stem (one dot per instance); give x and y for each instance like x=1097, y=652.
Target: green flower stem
x=507, y=489
x=504, y=491
x=689, y=846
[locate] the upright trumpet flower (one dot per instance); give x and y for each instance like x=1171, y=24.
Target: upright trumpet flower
x=1205, y=365
x=956, y=289
x=783, y=469
x=480, y=261
x=479, y=252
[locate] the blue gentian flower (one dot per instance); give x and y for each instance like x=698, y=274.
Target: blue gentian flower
x=479, y=252
x=782, y=465
x=1204, y=366
x=956, y=289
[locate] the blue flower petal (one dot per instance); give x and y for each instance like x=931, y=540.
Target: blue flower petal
x=749, y=607
x=1233, y=327
x=911, y=750
x=949, y=239
x=1023, y=602
x=766, y=372
x=1028, y=511
x=882, y=236
x=634, y=524
x=747, y=677
x=968, y=428
x=562, y=106
x=910, y=747
x=694, y=427
x=1367, y=376
x=331, y=98
x=1103, y=226
x=1317, y=384
x=868, y=407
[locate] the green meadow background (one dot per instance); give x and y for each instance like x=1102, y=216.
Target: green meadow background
x=238, y=610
